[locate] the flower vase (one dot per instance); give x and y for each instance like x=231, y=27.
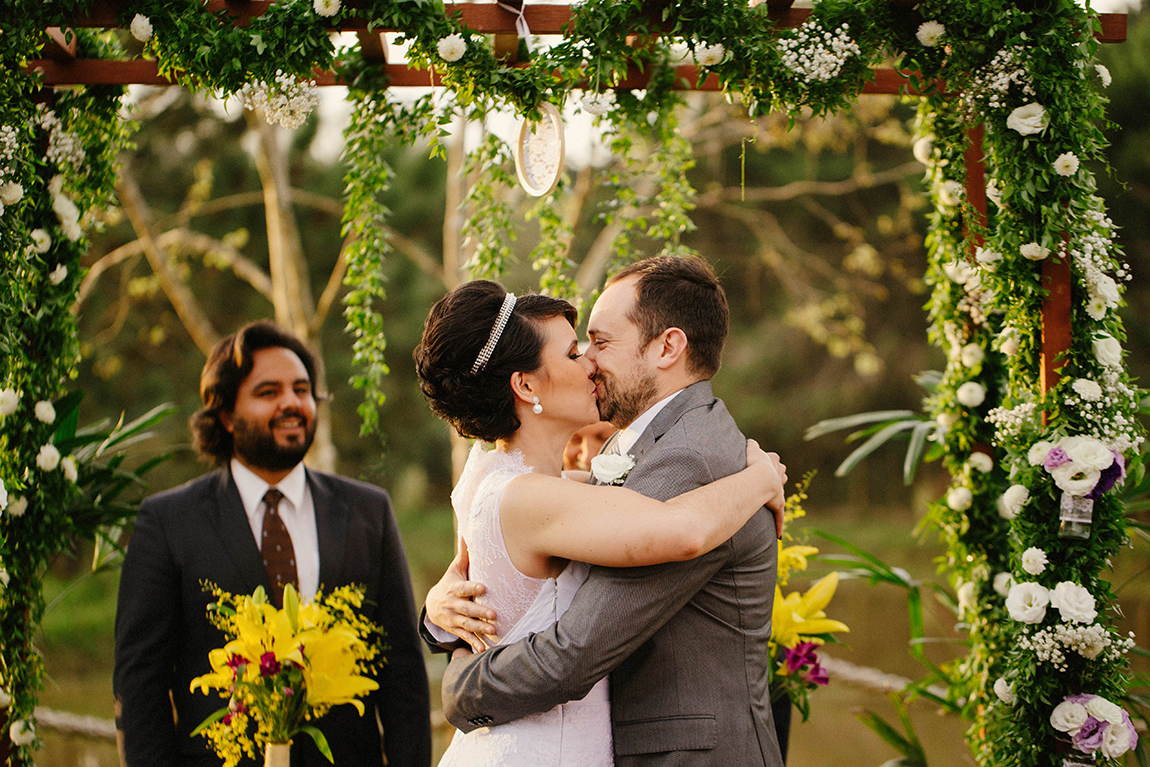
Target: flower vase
x=781, y=711
x=278, y=755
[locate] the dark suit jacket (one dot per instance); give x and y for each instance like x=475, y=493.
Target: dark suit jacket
x=199, y=532
x=685, y=643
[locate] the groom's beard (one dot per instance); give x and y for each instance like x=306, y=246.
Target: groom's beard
x=621, y=401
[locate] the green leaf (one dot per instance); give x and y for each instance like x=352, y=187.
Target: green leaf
x=320, y=741
x=872, y=444
x=212, y=719
x=852, y=421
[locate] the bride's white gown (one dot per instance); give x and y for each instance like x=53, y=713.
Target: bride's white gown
x=575, y=734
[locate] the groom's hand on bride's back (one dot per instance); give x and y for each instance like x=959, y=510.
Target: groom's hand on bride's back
x=451, y=605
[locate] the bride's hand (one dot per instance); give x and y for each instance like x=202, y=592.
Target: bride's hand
x=776, y=480
x=451, y=605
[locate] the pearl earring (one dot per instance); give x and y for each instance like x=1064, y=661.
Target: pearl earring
x=536, y=408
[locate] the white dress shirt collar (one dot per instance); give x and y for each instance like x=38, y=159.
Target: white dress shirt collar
x=252, y=487
x=630, y=435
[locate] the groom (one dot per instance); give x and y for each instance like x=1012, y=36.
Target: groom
x=685, y=643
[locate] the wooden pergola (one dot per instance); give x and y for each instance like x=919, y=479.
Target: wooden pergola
x=61, y=67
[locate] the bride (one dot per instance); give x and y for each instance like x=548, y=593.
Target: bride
x=506, y=371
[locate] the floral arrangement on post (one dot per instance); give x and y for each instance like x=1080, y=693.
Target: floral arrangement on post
x=285, y=667
x=798, y=623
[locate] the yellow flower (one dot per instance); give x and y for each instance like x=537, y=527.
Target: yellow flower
x=800, y=617
x=330, y=676
x=792, y=558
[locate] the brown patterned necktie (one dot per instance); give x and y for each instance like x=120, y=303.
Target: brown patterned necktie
x=277, y=549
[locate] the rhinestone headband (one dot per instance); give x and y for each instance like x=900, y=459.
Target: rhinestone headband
x=496, y=331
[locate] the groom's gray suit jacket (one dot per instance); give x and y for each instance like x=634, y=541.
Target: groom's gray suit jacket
x=685, y=643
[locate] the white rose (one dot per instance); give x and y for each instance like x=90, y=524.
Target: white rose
x=1108, y=351
x=1074, y=479
x=1107, y=289
x=1026, y=602
x=1116, y=740
x=710, y=55
x=1028, y=120
x=993, y=193
x=929, y=33
x=1036, y=456
x=11, y=193
x=1034, y=560
x=923, y=149
x=1066, y=164
x=611, y=467
x=56, y=184
x=1103, y=74
x=452, y=47
x=1068, y=717
x=71, y=471
x=971, y=394
x=48, y=458
x=1087, y=451
x=326, y=7
x=958, y=271
x=1009, y=341
x=950, y=192
x=980, y=462
x=1012, y=501
x=946, y=420
x=4, y=580
x=971, y=355
x=1087, y=389
x=1002, y=584
x=3, y=496
x=57, y=275
x=1103, y=710
x=988, y=258
x=959, y=498
x=1005, y=691
x=17, y=506
x=41, y=241
x=9, y=401
x=141, y=28
x=71, y=229
x=1034, y=251
x=598, y=103
x=5, y=698
x=1074, y=603
x=22, y=732
x=45, y=412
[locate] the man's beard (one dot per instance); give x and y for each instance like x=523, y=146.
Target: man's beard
x=621, y=403
x=258, y=446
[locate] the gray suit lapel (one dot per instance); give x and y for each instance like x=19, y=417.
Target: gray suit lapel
x=696, y=395
x=331, y=521
x=236, y=532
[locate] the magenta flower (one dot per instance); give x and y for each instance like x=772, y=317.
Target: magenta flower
x=801, y=655
x=817, y=675
x=288, y=692
x=237, y=663
x=269, y=666
x=1055, y=458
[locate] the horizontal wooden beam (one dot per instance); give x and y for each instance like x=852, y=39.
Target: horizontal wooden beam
x=489, y=18
x=142, y=72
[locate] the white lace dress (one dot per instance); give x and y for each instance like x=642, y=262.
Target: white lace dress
x=575, y=734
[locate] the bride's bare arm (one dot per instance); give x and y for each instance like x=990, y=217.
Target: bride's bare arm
x=617, y=527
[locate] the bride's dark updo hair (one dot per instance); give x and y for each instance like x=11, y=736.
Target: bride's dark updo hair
x=481, y=405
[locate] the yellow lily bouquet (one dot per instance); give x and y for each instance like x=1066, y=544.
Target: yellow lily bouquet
x=285, y=667
x=798, y=623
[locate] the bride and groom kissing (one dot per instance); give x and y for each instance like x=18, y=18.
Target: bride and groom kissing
x=623, y=624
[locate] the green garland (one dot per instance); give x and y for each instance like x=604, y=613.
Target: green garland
x=984, y=309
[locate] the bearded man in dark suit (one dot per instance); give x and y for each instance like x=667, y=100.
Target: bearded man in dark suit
x=261, y=519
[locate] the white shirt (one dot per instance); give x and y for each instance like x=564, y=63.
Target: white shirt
x=297, y=510
x=630, y=435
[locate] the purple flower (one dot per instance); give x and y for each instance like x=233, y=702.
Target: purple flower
x=288, y=692
x=1081, y=698
x=802, y=654
x=269, y=666
x=1055, y=458
x=1088, y=739
x=1133, y=731
x=817, y=675
x=1112, y=475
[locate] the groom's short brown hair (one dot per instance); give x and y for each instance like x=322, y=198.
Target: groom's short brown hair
x=684, y=293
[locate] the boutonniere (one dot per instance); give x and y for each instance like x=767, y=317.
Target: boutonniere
x=612, y=469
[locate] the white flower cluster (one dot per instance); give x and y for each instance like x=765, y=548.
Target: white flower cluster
x=818, y=55
x=287, y=101
x=1077, y=463
x=992, y=82
x=64, y=148
x=10, y=191
x=69, y=216
x=1009, y=422
x=598, y=103
x=1091, y=251
x=1105, y=405
x=978, y=297
x=1051, y=644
